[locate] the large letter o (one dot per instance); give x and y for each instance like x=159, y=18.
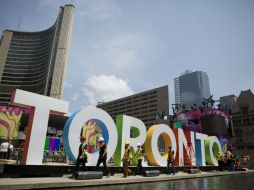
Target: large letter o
x=212, y=148
x=151, y=148
x=72, y=130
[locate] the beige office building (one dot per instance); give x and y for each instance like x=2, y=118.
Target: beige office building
x=36, y=61
x=151, y=106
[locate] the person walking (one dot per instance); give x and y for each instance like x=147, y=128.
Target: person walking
x=82, y=155
x=102, y=156
x=126, y=158
x=4, y=150
x=230, y=161
x=140, y=156
x=170, y=161
x=219, y=158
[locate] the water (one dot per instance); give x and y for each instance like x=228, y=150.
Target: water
x=242, y=182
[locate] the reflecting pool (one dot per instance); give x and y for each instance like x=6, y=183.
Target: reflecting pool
x=232, y=182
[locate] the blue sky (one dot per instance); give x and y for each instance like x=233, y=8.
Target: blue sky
x=123, y=47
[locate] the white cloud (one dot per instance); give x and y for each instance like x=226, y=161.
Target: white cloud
x=67, y=84
x=100, y=10
x=105, y=88
x=46, y=3
x=75, y=97
x=121, y=51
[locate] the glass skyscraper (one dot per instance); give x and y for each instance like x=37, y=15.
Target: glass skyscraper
x=191, y=88
x=36, y=61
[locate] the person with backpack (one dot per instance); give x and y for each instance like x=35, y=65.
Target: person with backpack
x=82, y=155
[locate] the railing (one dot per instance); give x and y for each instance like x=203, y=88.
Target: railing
x=54, y=157
x=48, y=157
x=14, y=154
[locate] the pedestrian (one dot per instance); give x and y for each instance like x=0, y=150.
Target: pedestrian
x=4, y=150
x=82, y=155
x=10, y=151
x=219, y=158
x=237, y=163
x=62, y=154
x=140, y=156
x=126, y=158
x=170, y=161
x=102, y=156
x=230, y=161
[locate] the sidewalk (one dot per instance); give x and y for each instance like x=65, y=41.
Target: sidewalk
x=65, y=182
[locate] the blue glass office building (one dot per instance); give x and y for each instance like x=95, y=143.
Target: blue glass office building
x=192, y=88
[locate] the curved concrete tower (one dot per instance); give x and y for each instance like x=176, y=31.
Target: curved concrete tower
x=36, y=61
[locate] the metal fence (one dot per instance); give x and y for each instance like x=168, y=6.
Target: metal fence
x=48, y=157
x=55, y=156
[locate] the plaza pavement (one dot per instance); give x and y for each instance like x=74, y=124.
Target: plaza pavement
x=65, y=182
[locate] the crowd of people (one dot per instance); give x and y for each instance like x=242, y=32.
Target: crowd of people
x=127, y=156
x=228, y=161
x=6, y=150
